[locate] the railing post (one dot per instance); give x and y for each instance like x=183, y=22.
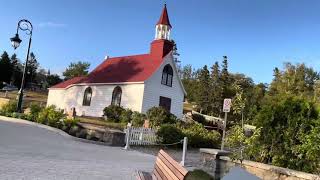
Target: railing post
x=184, y=150
x=127, y=147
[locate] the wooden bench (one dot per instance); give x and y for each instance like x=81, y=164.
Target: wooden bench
x=165, y=168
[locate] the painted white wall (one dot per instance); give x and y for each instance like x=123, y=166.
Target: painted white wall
x=132, y=96
x=154, y=89
x=56, y=97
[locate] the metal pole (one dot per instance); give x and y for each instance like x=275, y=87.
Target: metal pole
x=127, y=147
x=224, y=130
x=184, y=151
x=20, y=93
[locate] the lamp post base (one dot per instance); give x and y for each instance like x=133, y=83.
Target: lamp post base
x=20, y=99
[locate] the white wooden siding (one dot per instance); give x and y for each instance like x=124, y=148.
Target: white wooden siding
x=154, y=89
x=132, y=96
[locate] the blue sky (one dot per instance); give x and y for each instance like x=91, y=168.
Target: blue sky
x=256, y=35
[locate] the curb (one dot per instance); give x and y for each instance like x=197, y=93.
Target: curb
x=52, y=129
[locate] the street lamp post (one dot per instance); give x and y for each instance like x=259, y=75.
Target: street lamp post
x=23, y=25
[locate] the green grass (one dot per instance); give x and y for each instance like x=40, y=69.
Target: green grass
x=198, y=174
x=102, y=122
x=29, y=97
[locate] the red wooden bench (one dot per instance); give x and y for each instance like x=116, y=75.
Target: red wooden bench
x=165, y=168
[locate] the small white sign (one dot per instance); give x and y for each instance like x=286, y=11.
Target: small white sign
x=226, y=105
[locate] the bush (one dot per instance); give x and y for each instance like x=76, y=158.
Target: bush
x=50, y=116
x=159, y=116
x=9, y=108
x=113, y=112
x=138, y=119
x=198, y=136
x=70, y=122
x=126, y=116
x=35, y=110
x=169, y=133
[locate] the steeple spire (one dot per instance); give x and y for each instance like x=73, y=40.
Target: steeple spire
x=163, y=26
x=164, y=18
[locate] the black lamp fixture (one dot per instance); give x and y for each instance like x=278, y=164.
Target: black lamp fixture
x=15, y=41
x=26, y=26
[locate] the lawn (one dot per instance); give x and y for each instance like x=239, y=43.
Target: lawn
x=29, y=97
x=101, y=122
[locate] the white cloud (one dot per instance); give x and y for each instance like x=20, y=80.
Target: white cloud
x=51, y=24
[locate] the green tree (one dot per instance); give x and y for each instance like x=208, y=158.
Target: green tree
x=239, y=103
x=204, y=91
x=288, y=124
x=16, y=70
x=216, y=90
x=53, y=79
x=190, y=83
x=76, y=69
x=5, y=68
x=225, y=79
x=32, y=68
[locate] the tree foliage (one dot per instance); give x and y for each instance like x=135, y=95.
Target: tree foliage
x=76, y=69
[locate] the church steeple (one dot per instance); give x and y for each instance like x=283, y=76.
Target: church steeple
x=162, y=45
x=163, y=27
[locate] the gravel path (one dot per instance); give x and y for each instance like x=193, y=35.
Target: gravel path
x=28, y=152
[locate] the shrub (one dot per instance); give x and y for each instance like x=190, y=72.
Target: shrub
x=126, y=116
x=158, y=116
x=113, y=112
x=50, y=116
x=69, y=122
x=9, y=108
x=138, y=119
x=169, y=133
x=34, y=110
x=198, y=136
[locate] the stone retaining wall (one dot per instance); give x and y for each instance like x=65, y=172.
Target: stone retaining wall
x=266, y=171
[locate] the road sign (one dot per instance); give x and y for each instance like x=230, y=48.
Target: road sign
x=226, y=105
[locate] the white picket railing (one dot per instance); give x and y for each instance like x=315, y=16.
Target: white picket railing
x=141, y=136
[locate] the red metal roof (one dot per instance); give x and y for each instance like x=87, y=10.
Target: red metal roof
x=164, y=18
x=136, y=68
x=66, y=83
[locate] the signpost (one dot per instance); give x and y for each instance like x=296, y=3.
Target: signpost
x=226, y=109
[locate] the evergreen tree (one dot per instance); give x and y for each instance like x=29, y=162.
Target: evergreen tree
x=31, y=70
x=5, y=68
x=53, y=79
x=204, y=90
x=216, y=92
x=225, y=79
x=16, y=71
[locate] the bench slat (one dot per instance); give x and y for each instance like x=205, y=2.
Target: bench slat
x=166, y=170
x=173, y=162
x=156, y=175
x=160, y=172
x=172, y=168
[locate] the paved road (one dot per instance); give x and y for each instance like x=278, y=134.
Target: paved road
x=28, y=152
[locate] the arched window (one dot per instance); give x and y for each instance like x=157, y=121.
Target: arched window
x=167, y=75
x=87, y=97
x=116, y=96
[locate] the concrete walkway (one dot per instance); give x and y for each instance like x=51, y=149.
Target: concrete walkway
x=29, y=152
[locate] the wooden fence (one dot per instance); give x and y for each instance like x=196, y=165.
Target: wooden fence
x=142, y=136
